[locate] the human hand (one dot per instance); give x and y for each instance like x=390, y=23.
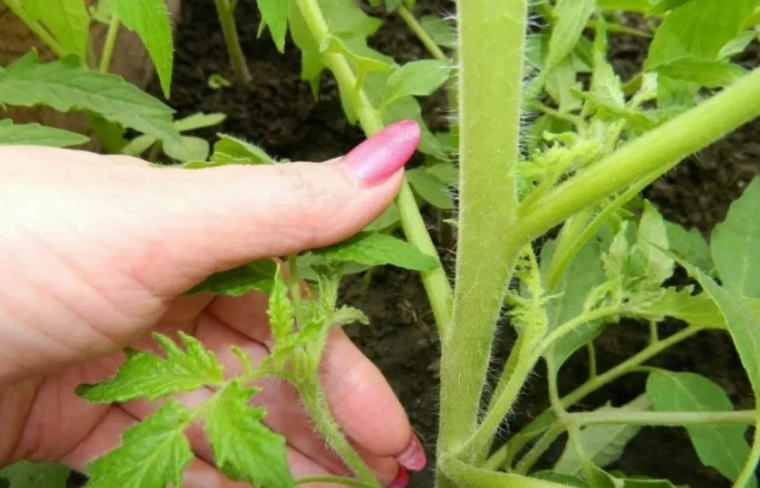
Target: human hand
x=96, y=253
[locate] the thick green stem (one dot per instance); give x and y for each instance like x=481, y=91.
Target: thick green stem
x=462, y=475
x=436, y=282
x=109, y=44
x=40, y=31
x=226, y=13
x=489, y=119
x=652, y=154
x=747, y=475
x=665, y=419
x=421, y=33
x=516, y=443
x=535, y=453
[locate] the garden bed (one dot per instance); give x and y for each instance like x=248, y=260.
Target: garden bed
x=278, y=112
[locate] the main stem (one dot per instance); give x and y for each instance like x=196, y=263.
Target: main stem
x=489, y=110
x=109, y=45
x=226, y=13
x=436, y=282
x=18, y=10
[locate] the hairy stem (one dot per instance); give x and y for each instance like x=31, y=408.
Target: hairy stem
x=436, y=282
x=489, y=113
x=650, y=155
x=226, y=12
x=109, y=44
x=414, y=26
x=666, y=419
x=331, y=480
x=505, y=454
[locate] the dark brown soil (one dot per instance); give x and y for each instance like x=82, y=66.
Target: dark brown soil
x=279, y=112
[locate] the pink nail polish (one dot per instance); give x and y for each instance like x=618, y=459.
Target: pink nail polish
x=413, y=458
x=380, y=156
x=402, y=479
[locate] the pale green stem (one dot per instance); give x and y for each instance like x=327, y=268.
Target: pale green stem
x=747, y=476
x=40, y=31
x=489, y=120
x=508, y=451
x=653, y=153
x=109, y=45
x=535, y=453
x=592, y=368
x=332, y=480
x=574, y=431
x=463, y=475
x=571, y=325
x=226, y=13
x=576, y=120
x=421, y=33
x=664, y=419
x=436, y=282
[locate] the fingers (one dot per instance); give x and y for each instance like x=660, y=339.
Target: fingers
x=215, y=219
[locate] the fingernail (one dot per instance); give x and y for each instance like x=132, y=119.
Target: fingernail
x=402, y=479
x=376, y=159
x=413, y=458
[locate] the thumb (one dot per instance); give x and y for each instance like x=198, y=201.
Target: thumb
x=220, y=218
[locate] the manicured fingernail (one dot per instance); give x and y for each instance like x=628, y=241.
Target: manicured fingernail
x=402, y=479
x=376, y=159
x=413, y=458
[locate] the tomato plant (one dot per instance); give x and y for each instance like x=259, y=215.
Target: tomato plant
x=549, y=150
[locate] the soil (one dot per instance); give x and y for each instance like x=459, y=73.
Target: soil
x=278, y=112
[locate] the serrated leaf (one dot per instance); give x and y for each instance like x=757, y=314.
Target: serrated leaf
x=244, y=448
x=350, y=315
x=375, y=249
x=561, y=84
x=604, y=444
x=735, y=244
x=698, y=29
x=146, y=375
x=569, y=299
x=67, y=20
x=151, y=21
x=707, y=73
x=698, y=310
x=29, y=474
x=230, y=149
x=439, y=30
x=689, y=245
x=430, y=188
x=64, y=86
x=275, y=14
x=745, y=333
x=651, y=240
x=722, y=447
x=154, y=453
x=418, y=78
x=281, y=310
x=570, y=17
x=606, y=87
x=37, y=135
x=256, y=276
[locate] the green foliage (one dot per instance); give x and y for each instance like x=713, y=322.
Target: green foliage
x=35, y=134
x=570, y=17
x=64, y=86
x=439, y=30
x=256, y=276
x=429, y=185
x=722, y=447
x=151, y=21
x=28, y=474
x=689, y=245
x=187, y=148
x=375, y=249
x=66, y=20
x=419, y=79
x=274, y=14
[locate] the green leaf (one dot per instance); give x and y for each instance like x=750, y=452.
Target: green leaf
x=146, y=375
x=710, y=74
x=378, y=249
x=154, y=453
x=151, y=21
x=362, y=60
x=601, y=479
x=651, y=240
x=64, y=86
x=737, y=45
x=662, y=6
x=232, y=148
x=742, y=325
x=606, y=87
x=439, y=30
x=275, y=14
x=256, y=276
x=28, y=474
x=569, y=299
x=604, y=444
x=689, y=245
x=244, y=448
x=698, y=310
x=570, y=17
x=735, y=244
x=387, y=219
x=698, y=30
x=281, y=311
x=37, y=135
x=561, y=85
x=641, y=6
x=563, y=479
x=349, y=315
x=188, y=149
x=409, y=108
x=430, y=188
x=102, y=12
x=418, y=78
x=722, y=447
x=67, y=20
x=199, y=120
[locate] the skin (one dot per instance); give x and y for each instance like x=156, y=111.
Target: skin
x=97, y=251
